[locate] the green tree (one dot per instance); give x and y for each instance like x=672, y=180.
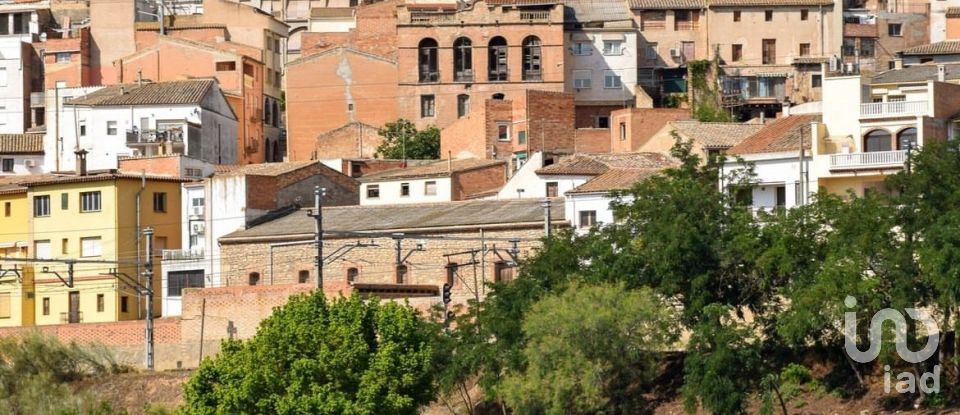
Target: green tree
x=402, y=140
x=346, y=356
x=591, y=349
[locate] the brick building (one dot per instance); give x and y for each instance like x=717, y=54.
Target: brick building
x=513, y=129
x=398, y=246
x=631, y=128
x=450, y=60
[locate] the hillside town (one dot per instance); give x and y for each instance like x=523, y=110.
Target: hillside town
x=173, y=170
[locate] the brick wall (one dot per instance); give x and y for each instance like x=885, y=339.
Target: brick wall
x=354, y=140
x=273, y=192
x=550, y=120
x=479, y=180
x=641, y=124
x=368, y=166
x=169, y=165
x=587, y=114
x=592, y=140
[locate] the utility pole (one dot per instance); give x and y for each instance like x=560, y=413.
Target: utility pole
x=546, y=217
x=148, y=273
x=317, y=215
x=163, y=31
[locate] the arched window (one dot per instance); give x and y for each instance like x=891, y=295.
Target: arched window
x=352, y=274
x=254, y=278
x=906, y=137
x=876, y=140
x=427, y=61
x=532, y=63
x=276, y=114
x=498, y=96
x=497, y=59
x=462, y=60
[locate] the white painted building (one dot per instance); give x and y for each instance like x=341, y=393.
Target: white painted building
x=21, y=154
x=938, y=18
x=189, y=267
x=443, y=181
x=15, y=84
x=190, y=117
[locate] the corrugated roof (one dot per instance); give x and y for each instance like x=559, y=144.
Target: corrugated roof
x=667, y=4
x=953, y=12
x=263, y=169
x=860, y=30
x=587, y=164
x=781, y=135
x=616, y=179
x=947, y=47
x=184, y=92
x=916, y=73
x=763, y=3
x=21, y=144
x=584, y=11
x=442, y=168
x=412, y=217
x=716, y=134
x=331, y=12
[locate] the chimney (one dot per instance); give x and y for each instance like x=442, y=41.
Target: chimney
x=81, y=162
x=898, y=63
x=941, y=73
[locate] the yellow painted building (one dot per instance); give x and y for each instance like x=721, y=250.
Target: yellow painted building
x=16, y=284
x=94, y=218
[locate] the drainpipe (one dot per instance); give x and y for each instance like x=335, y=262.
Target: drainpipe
x=143, y=186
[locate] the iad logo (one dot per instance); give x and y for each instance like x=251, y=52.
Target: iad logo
x=929, y=382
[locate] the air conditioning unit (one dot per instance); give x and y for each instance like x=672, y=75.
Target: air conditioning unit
x=198, y=228
x=675, y=53
x=30, y=163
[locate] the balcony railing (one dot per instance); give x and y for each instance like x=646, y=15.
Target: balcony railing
x=71, y=317
x=433, y=18
x=871, y=159
x=535, y=15
x=532, y=75
x=429, y=76
x=154, y=136
x=893, y=109
x=465, y=75
x=181, y=254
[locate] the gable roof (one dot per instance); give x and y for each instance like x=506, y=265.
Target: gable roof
x=185, y=92
x=21, y=143
x=264, y=169
x=615, y=179
x=588, y=164
x=947, y=47
x=781, y=135
x=442, y=168
x=339, y=50
x=767, y=3
x=916, y=73
x=667, y=4
x=713, y=135
x=583, y=11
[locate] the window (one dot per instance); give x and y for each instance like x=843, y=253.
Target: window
x=849, y=47
x=769, y=51
x=111, y=128
x=768, y=15
x=404, y=189
x=427, y=61
x=352, y=274
x=498, y=96
x=452, y=273
x=623, y=131
x=269, y=77
x=303, y=276
x=503, y=131
x=64, y=201
x=65, y=246
x=62, y=57
x=613, y=47
x=804, y=49
x=552, y=189
x=100, y=303
x=653, y=20
x=736, y=15
x=6, y=209
x=253, y=278
x=41, y=206
x=876, y=140
x=90, y=247
x=581, y=49
x=90, y=201
x=427, y=106
x=178, y=280
x=41, y=249
x=46, y=306
x=867, y=47
x=430, y=188
x=582, y=79
x=462, y=60
x=401, y=274
x=502, y=271
x=497, y=59
x=907, y=138
x=736, y=53
x=686, y=20
x=463, y=105
x=226, y=66
x=522, y=137
x=4, y=305
x=601, y=121
x=3, y=76
x=373, y=191
x=159, y=202
x=651, y=52
x=816, y=80
x=804, y=14
x=781, y=198
x=895, y=29
x=588, y=218
x=743, y=196
x=124, y=303
x=8, y=165
x=83, y=128
x=532, y=59
x=611, y=80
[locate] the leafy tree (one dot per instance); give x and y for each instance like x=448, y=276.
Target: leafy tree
x=402, y=140
x=590, y=349
x=348, y=356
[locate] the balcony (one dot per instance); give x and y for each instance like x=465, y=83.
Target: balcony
x=36, y=100
x=429, y=77
x=869, y=160
x=535, y=16
x=154, y=136
x=71, y=317
x=181, y=254
x=893, y=109
x=465, y=75
x=532, y=75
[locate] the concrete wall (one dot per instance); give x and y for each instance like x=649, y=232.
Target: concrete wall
x=597, y=63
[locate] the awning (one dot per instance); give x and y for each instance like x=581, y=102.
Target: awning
x=581, y=37
x=612, y=36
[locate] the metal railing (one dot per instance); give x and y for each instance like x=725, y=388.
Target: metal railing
x=868, y=159
x=893, y=109
x=71, y=317
x=429, y=76
x=181, y=254
x=532, y=75
x=154, y=136
x=535, y=15
x=433, y=18
x=465, y=75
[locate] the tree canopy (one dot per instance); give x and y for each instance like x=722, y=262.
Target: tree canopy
x=402, y=140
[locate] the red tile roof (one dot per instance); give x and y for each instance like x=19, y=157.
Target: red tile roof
x=616, y=179
x=160, y=93
x=947, y=47
x=21, y=143
x=781, y=135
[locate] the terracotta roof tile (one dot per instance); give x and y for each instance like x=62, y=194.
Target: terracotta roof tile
x=781, y=135
x=584, y=11
x=331, y=12
x=716, y=134
x=809, y=60
x=947, y=47
x=522, y=2
x=263, y=169
x=43, y=180
x=763, y=3
x=860, y=30
x=160, y=93
x=21, y=144
x=441, y=168
x=616, y=179
x=667, y=4
x=953, y=12
x=584, y=164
